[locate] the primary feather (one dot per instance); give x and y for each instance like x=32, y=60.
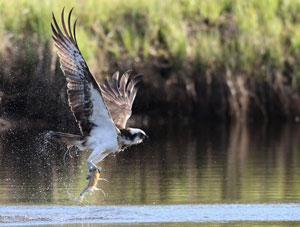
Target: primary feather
x=83, y=90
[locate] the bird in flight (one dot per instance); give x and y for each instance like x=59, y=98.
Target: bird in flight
x=101, y=110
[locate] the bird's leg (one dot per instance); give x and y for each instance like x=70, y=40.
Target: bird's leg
x=95, y=157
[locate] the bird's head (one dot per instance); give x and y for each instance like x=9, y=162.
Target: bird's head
x=132, y=136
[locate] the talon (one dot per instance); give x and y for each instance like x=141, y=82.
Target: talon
x=92, y=167
x=99, y=169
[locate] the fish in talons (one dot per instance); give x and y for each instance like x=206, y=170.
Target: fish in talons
x=92, y=179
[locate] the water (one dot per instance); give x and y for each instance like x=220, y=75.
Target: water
x=190, y=173
x=20, y=215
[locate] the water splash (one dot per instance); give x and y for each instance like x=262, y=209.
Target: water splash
x=46, y=144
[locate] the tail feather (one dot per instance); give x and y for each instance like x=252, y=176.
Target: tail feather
x=67, y=138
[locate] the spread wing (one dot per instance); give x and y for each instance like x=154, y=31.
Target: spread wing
x=84, y=95
x=119, y=95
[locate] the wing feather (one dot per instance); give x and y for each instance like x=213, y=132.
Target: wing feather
x=84, y=94
x=119, y=95
x=132, y=90
x=124, y=80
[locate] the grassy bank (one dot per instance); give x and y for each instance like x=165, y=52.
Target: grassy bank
x=218, y=58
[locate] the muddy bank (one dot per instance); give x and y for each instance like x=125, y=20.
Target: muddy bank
x=33, y=87
x=216, y=95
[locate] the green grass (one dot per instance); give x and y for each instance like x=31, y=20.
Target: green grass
x=245, y=37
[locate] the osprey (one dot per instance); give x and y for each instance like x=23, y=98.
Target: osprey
x=101, y=110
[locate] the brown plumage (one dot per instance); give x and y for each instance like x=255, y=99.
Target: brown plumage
x=119, y=95
x=80, y=80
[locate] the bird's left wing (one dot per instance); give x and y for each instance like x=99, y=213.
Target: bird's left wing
x=84, y=95
x=119, y=95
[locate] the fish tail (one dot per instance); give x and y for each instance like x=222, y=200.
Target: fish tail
x=83, y=191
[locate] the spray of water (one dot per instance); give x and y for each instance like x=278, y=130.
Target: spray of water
x=49, y=145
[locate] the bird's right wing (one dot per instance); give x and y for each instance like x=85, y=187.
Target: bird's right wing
x=84, y=95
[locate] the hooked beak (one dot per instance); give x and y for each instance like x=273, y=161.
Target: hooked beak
x=145, y=138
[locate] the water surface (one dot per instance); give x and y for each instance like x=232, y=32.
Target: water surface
x=28, y=215
x=195, y=165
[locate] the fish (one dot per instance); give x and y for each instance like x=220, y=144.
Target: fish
x=92, y=180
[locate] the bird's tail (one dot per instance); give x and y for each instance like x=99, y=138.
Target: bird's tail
x=67, y=138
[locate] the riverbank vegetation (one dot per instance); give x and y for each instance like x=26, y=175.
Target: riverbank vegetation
x=213, y=59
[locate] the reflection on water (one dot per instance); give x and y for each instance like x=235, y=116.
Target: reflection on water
x=179, y=165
